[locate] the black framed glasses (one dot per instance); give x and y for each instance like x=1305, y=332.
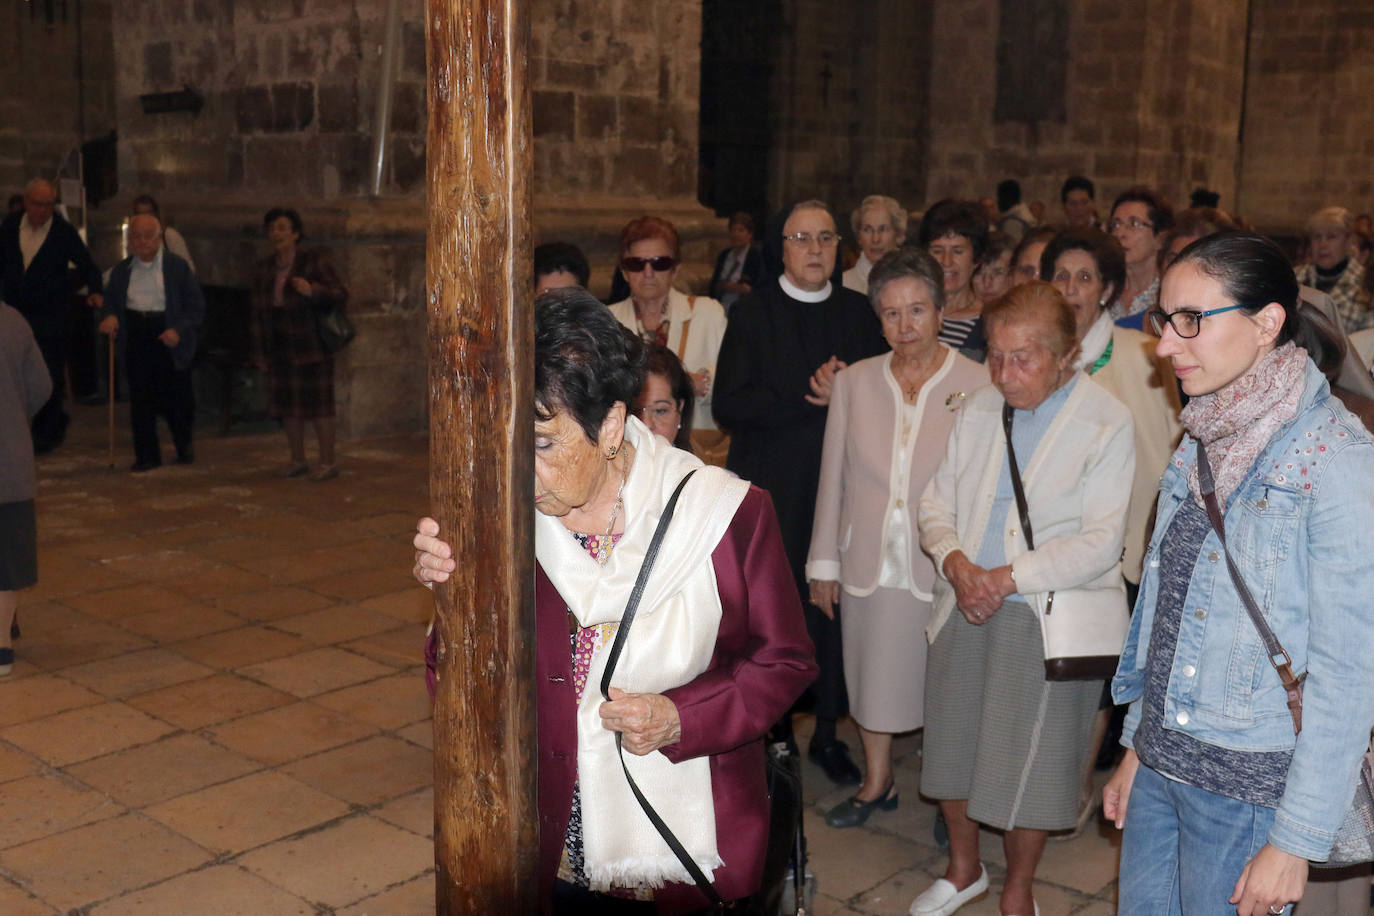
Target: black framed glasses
x=661, y=264
x=1186, y=322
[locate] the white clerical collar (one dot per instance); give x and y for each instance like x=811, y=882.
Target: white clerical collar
x=801, y=295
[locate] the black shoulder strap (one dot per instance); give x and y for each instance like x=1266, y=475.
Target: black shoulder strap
x=1022, y=509
x=622, y=631
x=1278, y=656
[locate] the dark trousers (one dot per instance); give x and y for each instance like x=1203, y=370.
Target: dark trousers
x=49, y=425
x=156, y=387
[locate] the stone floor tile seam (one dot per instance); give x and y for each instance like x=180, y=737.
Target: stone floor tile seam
x=389, y=888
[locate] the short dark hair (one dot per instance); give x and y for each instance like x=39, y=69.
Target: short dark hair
x=1203, y=197
x=659, y=360
x=584, y=358
x=1105, y=251
x=956, y=217
x=558, y=257
x=1008, y=194
x=145, y=200
x=1159, y=210
x=277, y=213
x=1252, y=271
x=1077, y=183
x=1036, y=236
x=742, y=219
x=907, y=262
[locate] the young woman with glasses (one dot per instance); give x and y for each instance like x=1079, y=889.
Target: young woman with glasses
x=1222, y=804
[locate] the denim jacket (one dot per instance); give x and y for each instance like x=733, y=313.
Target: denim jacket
x=1298, y=528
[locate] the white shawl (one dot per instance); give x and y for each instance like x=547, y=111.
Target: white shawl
x=670, y=643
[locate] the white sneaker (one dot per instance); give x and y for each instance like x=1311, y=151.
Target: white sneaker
x=942, y=898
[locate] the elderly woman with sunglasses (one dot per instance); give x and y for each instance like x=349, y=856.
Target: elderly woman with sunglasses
x=1222, y=802
x=691, y=326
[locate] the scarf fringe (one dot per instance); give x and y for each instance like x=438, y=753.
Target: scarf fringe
x=646, y=871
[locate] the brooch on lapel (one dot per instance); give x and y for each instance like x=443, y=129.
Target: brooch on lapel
x=954, y=401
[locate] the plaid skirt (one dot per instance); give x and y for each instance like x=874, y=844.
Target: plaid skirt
x=18, y=546
x=302, y=392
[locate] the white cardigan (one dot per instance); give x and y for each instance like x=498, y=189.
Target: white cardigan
x=702, y=345
x=1078, y=486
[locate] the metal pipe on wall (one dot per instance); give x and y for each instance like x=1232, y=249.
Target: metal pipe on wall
x=386, y=84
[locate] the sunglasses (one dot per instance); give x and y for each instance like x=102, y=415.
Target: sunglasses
x=661, y=264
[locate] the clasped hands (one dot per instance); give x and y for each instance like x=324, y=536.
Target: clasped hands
x=978, y=592
x=646, y=721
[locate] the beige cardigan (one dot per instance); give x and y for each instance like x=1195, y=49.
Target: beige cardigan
x=698, y=353
x=1142, y=381
x=860, y=482
x=1078, y=484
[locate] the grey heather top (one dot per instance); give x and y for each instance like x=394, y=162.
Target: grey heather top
x=1254, y=777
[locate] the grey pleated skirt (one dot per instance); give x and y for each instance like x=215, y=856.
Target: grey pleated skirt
x=884, y=637
x=997, y=733
x=18, y=546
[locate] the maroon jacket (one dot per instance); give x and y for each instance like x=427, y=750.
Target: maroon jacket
x=762, y=662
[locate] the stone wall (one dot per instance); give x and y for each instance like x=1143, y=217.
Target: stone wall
x=850, y=104
x=615, y=126
x=1152, y=95
x=1309, y=125
x=57, y=91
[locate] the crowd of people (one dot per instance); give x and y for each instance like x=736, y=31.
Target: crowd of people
x=967, y=421
x=905, y=478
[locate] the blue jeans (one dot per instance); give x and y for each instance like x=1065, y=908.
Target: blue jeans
x=1184, y=848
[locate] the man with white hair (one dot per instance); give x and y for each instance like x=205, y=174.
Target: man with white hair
x=155, y=306
x=36, y=247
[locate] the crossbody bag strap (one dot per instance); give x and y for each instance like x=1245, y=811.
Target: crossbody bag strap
x=1021, y=508
x=622, y=631
x=1278, y=655
x=686, y=326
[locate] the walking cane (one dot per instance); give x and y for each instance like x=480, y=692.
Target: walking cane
x=112, y=396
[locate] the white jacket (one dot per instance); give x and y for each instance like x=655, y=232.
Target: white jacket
x=1078, y=485
x=699, y=352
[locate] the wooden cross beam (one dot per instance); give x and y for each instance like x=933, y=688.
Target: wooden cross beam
x=481, y=381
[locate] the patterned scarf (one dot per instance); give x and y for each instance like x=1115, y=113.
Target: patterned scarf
x=1237, y=422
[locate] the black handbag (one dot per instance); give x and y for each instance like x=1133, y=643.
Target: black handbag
x=333, y=327
x=1355, y=839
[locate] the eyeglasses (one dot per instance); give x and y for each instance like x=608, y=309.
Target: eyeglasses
x=804, y=239
x=1134, y=223
x=1186, y=322
x=661, y=264
x=657, y=412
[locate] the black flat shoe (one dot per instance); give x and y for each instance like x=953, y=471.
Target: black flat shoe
x=834, y=759
x=138, y=467
x=853, y=812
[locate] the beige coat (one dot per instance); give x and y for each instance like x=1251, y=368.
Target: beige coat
x=861, y=480
x=1145, y=383
x=1077, y=483
x=699, y=350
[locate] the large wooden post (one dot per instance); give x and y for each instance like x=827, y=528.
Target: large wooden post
x=481, y=455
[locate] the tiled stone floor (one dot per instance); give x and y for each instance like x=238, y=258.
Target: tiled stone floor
x=218, y=706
